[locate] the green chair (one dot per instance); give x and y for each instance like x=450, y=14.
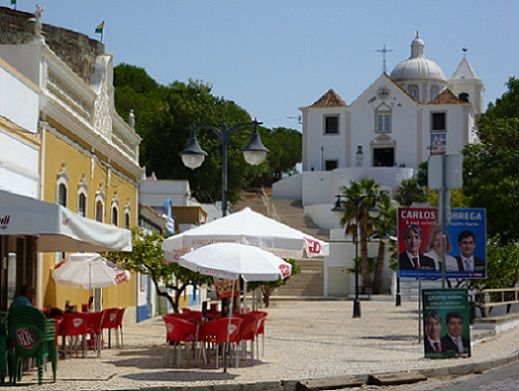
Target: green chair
x=31, y=335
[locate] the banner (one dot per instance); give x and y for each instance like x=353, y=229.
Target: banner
x=419, y=243
x=446, y=323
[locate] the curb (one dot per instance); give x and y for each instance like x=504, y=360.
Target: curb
x=336, y=382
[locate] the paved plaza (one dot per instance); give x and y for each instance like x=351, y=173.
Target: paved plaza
x=304, y=339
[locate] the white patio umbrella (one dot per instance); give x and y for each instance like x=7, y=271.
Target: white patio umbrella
x=247, y=227
x=89, y=271
x=232, y=260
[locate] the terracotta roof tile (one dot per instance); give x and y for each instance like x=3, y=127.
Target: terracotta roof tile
x=446, y=97
x=329, y=99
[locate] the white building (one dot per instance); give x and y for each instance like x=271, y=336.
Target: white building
x=385, y=133
x=19, y=141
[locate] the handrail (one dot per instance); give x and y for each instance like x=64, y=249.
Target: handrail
x=487, y=297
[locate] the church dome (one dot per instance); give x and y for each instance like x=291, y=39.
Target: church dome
x=417, y=66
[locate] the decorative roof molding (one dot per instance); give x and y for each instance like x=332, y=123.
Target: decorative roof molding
x=329, y=99
x=446, y=98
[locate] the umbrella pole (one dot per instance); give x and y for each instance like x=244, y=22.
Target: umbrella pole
x=245, y=309
x=228, y=326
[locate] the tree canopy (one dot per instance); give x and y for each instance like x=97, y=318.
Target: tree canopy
x=164, y=116
x=490, y=167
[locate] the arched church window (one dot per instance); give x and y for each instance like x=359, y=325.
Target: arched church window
x=413, y=90
x=464, y=97
x=383, y=119
x=434, y=91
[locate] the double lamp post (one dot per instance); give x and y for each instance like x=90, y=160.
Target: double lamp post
x=374, y=212
x=254, y=153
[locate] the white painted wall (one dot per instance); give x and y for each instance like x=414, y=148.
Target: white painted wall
x=333, y=144
x=288, y=188
x=337, y=281
x=154, y=192
x=19, y=101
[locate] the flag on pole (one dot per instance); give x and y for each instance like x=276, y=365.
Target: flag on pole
x=99, y=29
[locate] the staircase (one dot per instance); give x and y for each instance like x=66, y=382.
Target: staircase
x=310, y=282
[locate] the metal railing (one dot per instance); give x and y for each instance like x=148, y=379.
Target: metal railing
x=490, y=298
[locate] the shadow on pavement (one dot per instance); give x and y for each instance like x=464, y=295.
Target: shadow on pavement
x=390, y=337
x=179, y=376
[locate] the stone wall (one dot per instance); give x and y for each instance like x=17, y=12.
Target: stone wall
x=77, y=50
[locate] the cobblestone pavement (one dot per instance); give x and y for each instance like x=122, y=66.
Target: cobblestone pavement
x=303, y=340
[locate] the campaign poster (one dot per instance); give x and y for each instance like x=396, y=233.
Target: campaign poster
x=438, y=143
x=415, y=227
x=466, y=244
x=446, y=323
x=419, y=244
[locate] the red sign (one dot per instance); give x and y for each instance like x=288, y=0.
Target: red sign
x=26, y=338
x=313, y=246
x=285, y=270
x=121, y=277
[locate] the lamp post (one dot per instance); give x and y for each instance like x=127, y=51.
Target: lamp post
x=339, y=208
x=373, y=211
x=254, y=153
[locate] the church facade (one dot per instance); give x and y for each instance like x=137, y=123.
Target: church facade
x=397, y=120
x=385, y=133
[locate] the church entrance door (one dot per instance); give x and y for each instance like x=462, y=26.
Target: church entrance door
x=383, y=157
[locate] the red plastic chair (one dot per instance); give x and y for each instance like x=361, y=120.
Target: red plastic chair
x=221, y=331
x=109, y=323
x=248, y=331
x=75, y=325
x=261, y=317
x=178, y=331
x=95, y=323
x=119, y=326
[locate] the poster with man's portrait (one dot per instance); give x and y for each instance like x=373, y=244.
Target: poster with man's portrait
x=415, y=226
x=466, y=232
x=446, y=323
x=420, y=252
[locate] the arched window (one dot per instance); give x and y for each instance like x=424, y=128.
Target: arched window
x=127, y=218
x=82, y=197
x=62, y=186
x=435, y=90
x=99, y=210
x=383, y=119
x=413, y=90
x=82, y=204
x=62, y=194
x=464, y=97
x=115, y=214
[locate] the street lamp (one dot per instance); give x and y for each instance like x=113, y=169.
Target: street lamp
x=373, y=211
x=254, y=153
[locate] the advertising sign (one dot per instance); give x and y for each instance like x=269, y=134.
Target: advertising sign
x=419, y=243
x=446, y=323
x=438, y=143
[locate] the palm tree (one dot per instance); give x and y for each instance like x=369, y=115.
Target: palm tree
x=410, y=191
x=359, y=197
x=384, y=225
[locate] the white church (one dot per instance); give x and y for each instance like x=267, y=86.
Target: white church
x=384, y=134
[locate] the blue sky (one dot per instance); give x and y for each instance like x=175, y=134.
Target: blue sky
x=272, y=57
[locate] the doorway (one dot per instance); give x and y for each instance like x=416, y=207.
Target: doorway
x=383, y=157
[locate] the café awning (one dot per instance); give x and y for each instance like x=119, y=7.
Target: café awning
x=58, y=228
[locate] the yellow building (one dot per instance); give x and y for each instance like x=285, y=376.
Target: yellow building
x=88, y=155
